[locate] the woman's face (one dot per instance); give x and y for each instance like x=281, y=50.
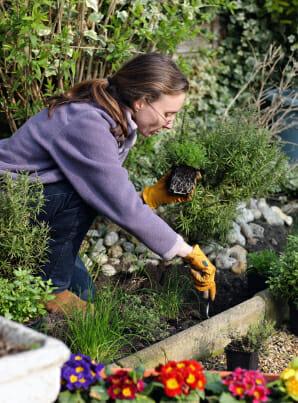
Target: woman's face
x=153, y=117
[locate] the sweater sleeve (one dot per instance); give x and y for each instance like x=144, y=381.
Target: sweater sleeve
x=87, y=153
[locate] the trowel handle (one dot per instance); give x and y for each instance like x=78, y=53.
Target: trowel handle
x=206, y=294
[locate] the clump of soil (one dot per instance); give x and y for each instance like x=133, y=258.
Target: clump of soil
x=182, y=180
x=7, y=348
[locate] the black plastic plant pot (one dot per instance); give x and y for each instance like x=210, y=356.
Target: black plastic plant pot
x=182, y=180
x=241, y=359
x=293, y=319
x=255, y=282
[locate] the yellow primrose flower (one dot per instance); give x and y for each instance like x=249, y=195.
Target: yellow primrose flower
x=292, y=388
x=287, y=374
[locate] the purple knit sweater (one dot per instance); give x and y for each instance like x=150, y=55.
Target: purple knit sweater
x=76, y=143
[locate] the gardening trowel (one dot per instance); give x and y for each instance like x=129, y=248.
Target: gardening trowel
x=206, y=302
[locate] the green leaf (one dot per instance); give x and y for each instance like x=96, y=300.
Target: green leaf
x=98, y=392
x=91, y=34
x=214, y=383
x=70, y=397
x=92, y=4
x=227, y=398
x=143, y=399
x=95, y=17
x=109, y=370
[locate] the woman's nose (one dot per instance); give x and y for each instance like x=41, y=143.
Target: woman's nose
x=168, y=125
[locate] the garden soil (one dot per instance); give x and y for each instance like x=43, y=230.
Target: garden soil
x=232, y=289
x=7, y=348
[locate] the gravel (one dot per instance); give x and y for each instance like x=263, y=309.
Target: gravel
x=282, y=348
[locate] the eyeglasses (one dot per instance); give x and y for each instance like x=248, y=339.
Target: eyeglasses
x=166, y=120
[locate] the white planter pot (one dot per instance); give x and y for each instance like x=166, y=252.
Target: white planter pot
x=31, y=376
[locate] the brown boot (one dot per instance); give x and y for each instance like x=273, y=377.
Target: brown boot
x=65, y=302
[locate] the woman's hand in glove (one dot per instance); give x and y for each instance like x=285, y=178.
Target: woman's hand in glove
x=205, y=282
x=202, y=271
x=158, y=194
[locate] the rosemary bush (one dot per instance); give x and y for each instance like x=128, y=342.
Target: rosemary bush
x=242, y=161
x=23, y=249
x=23, y=239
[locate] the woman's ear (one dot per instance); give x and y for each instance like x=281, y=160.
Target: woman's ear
x=138, y=104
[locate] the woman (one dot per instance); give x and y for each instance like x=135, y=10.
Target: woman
x=77, y=147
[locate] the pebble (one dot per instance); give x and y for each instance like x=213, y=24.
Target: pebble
x=101, y=229
x=115, y=251
x=108, y=270
x=111, y=238
x=133, y=268
x=141, y=248
x=93, y=233
x=128, y=246
x=152, y=262
x=114, y=261
x=99, y=258
x=129, y=258
x=99, y=246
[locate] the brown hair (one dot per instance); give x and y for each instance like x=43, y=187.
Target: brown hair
x=145, y=76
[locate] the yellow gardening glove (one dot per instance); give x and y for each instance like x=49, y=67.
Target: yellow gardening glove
x=158, y=194
x=204, y=282
x=203, y=271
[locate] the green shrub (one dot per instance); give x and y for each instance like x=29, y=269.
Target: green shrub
x=22, y=299
x=249, y=31
x=261, y=261
x=23, y=249
x=242, y=161
x=23, y=240
x=283, y=279
x=47, y=46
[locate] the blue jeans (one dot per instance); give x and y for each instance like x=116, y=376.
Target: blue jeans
x=69, y=219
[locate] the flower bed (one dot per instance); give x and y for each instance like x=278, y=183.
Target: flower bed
x=84, y=380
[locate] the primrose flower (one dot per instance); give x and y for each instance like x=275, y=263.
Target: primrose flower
x=179, y=378
x=80, y=372
x=247, y=384
x=122, y=386
x=292, y=388
x=289, y=378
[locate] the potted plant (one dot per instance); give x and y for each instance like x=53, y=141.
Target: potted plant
x=243, y=351
x=84, y=380
x=283, y=279
x=30, y=364
x=258, y=268
x=183, y=160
